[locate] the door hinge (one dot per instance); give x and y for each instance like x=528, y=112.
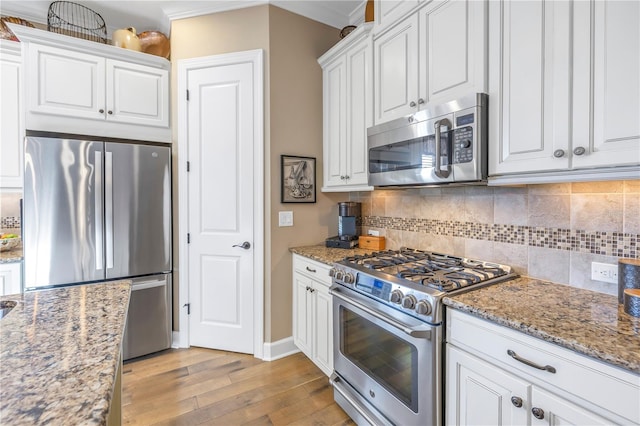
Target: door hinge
x=187, y=95
x=188, y=238
x=188, y=166
x=188, y=306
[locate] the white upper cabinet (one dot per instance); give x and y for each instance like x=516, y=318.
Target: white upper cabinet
x=396, y=70
x=388, y=11
x=564, y=91
x=11, y=115
x=615, y=90
x=434, y=55
x=87, y=88
x=347, y=112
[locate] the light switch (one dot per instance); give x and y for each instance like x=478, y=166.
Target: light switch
x=285, y=218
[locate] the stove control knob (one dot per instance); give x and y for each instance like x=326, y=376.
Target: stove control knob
x=349, y=278
x=332, y=272
x=423, y=307
x=409, y=301
x=339, y=275
x=396, y=296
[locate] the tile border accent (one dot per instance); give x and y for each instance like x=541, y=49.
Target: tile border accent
x=8, y=222
x=617, y=244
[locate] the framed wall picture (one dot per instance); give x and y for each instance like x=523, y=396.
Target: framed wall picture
x=298, y=179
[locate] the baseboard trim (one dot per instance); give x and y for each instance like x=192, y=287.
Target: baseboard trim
x=175, y=339
x=279, y=349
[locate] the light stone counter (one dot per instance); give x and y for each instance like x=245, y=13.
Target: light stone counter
x=11, y=256
x=584, y=321
x=327, y=255
x=60, y=352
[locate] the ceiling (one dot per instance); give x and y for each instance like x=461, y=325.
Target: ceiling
x=157, y=14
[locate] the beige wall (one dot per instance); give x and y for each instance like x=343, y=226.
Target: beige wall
x=293, y=125
x=296, y=129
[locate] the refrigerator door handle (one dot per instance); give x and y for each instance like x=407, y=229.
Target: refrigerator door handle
x=98, y=210
x=108, y=206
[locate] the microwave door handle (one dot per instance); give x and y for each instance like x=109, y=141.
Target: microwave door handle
x=438, y=171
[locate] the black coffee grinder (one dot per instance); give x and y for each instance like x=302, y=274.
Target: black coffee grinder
x=348, y=231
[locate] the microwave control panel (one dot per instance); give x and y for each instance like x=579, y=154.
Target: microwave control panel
x=463, y=145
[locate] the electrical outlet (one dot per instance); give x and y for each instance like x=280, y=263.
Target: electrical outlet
x=604, y=272
x=285, y=218
x=373, y=233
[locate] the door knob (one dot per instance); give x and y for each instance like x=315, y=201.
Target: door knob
x=246, y=245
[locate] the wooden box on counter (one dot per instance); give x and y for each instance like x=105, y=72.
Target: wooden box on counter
x=370, y=242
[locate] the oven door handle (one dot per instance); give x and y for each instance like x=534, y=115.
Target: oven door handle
x=420, y=332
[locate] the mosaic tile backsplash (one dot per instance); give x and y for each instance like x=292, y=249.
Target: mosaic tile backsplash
x=10, y=222
x=550, y=232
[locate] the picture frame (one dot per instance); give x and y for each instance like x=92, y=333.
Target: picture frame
x=297, y=179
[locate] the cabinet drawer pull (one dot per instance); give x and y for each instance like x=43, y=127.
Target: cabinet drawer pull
x=311, y=270
x=538, y=413
x=515, y=356
x=516, y=401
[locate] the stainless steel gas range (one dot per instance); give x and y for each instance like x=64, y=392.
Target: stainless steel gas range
x=388, y=331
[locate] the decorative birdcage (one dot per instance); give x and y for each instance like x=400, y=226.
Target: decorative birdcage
x=76, y=20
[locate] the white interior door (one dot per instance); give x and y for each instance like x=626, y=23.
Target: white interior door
x=222, y=126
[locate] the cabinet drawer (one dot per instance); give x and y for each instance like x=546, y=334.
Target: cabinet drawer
x=316, y=270
x=613, y=391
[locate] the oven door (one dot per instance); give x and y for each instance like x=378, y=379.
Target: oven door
x=385, y=359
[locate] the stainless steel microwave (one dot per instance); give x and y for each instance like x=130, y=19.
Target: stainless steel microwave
x=442, y=144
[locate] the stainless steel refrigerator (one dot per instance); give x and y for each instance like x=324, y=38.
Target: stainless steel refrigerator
x=96, y=211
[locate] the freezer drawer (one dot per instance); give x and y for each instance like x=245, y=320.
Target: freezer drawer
x=148, y=327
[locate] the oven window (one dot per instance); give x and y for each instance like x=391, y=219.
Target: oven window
x=389, y=360
x=419, y=153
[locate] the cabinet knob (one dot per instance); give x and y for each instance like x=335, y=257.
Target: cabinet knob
x=412, y=104
x=109, y=112
x=101, y=111
x=558, y=153
x=347, y=177
x=516, y=401
x=342, y=177
x=420, y=101
x=579, y=150
x=538, y=413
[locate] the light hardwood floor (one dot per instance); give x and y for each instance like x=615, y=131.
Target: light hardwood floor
x=201, y=386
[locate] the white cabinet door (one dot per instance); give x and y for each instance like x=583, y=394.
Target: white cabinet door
x=478, y=393
x=396, y=71
x=10, y=278
x=529, y=87
x=323, y=331
x=359, y=100
x=347, y=112
x=552, y=410
x=388, y=11
x=11, y=116
x=615, y=73
x=453, y=52
x=137, y=94
x=65, y=83
x=335, y=123
x=303, y=314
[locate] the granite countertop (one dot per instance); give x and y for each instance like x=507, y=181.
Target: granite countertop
x=581, y=320
x=59, y=354
x=11, y=256
x=327, y=255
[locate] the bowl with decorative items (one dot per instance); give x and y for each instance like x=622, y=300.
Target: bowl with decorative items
x=9, y=241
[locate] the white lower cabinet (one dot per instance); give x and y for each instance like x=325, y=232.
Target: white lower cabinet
x=10, y=278
x=312, y=312
x=486, y=385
